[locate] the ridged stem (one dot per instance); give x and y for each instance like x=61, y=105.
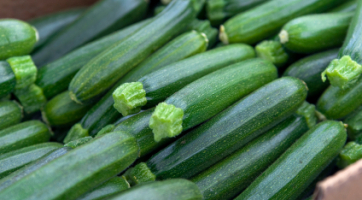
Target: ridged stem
x=215, y=11
x=139, y=174
x=107, y=129
x=349, y=154
x=309, y=113
x=129, y=98
x=78, y=142
x=272, y=51
x=31, y=98
x=24, y=70
x=76, y=132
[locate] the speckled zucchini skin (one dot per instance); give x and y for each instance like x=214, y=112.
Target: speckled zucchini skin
x=10, y=114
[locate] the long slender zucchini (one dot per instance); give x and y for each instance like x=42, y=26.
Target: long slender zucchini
x=209, y=95
x=99, y=74
x=10, y=114
x=78, y=171
x=7, y=80
x=224, y=133
x=55, y=77
x=315, y=33
x=229, y=177
x=14, y=160
x=153, y=88
x=308, y=156
x=22, y=135
x=176, y=189
x=354, y=128
x=102, y=18
x=17, y=38
x=266, y=19
x=349, y=6
x=309, y=69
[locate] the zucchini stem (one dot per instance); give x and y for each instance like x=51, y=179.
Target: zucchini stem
x=31, y=98
x=223, y=36
x=78, y=142
x=215, y=11
x=272, y=51
x=139, y=174
x=74, y=98
x=24, y=70
x=349, y=154
x=283, y=36
x=129, y=98
x=76, y=132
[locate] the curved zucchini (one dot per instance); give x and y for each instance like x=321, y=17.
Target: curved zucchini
x=225, y=133
x=10, y=114
x=22, y=135
x=103, y=71
x=175, y=189
x=31, y=98
x=14, y=160
x=349, y=6
x=209, y=95
x=102, y=18
x=309, y=156
x=266, y=19
x=229, y=177
x=67, y=173
x=354, y=128
x=18, y=38
x=7, y=79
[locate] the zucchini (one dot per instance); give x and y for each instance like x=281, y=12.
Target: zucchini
x=309, y=156
x=7, y=79
x=18, y=38
x=103, y=71
x=309, y=69
x=229, y=177
x=345, y=71
x=176, y=189
x=102, y=18
x=209, y=95
x=14, y=160
x=153, y=88
x=31, y=98
x=350, y=154
x=315, y=33
x=68, y=175
x=110, y=188
x=10, y=114
x=354, y=128
x=183, y=46
x=307, y=110
x=224, y=133
x=24, y=171
x=349, y=6
x=22, y=135
x=55, y=77
x=266, y=19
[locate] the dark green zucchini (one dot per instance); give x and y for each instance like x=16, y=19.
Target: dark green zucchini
x=14, y=160
x=103, y=71
x=10, y=114
x=354, y=128
x=224, y=133
x=350, y=154
x=68, y=175
x=31, y=98
x=175, y=189
x=307, y=110
x=102, y=18
x=22, y=135
x=229, y=177
x=7, y=79
x=309, y=70
x=209, y=95
x=288, y=176
x=349, y=6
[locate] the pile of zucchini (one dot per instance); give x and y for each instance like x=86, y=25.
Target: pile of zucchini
x=180, y=99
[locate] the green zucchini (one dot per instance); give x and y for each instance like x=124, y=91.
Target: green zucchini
x=349, y=6
x=107, y=189
x=345, y=71
x=31, y=98
x=55, y=77
x=309, y=69
x=315, y=33
x=154, y=87
x=24, y=171
x=68, y=175
x=22, y=135
x=10, y=114
x=307, y=110
x=354, y=128
x=224, y=133
x=103, y=71
x=175, y=189
x=18, y=38
x=266, y=19
x=49, y=25
x=351, y=153
x=308, y=156
x=229, y=177
x=102, y=18
x=7, y=80
x=14, y=160
x=183, y=46
x=209, y=95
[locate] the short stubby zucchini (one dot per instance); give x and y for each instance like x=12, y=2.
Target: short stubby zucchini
x=11, y=113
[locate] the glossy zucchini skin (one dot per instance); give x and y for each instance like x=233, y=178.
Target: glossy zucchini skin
x=309, y=70
x=10, y=114
x=309, y=156
x=67, y=173
x=55, y=77
x=11, y=161
x=230, y=176
x=22, y=135
x=176, y=189
x=102, y=18
x=24, y=171
x=18, y=38
x=266, y=19
x=7, y=80
x=315, y=33
x=103, y=71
